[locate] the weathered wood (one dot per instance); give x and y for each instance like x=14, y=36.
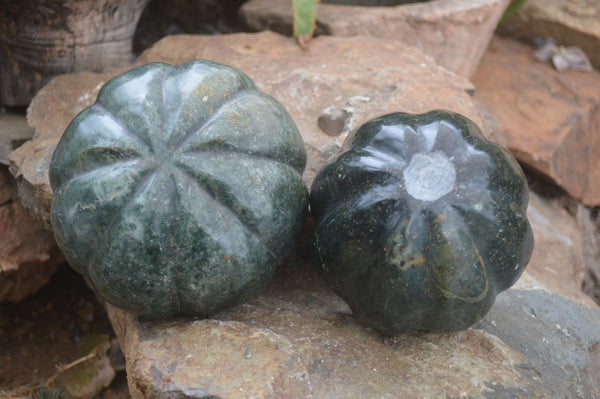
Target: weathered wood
x=40, y=39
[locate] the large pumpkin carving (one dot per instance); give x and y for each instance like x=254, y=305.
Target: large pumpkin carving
x=179, y=189
x=420, y=222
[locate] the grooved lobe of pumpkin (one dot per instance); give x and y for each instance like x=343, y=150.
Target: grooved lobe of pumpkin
x=458, y=271
x=173, y=168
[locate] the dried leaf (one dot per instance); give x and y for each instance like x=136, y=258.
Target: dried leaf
x=559, y=62
x=87, y=376
x=576, y=58
x=546, y=52
x=563, y=57
x=83, y=378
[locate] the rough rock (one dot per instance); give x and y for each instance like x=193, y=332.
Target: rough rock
x=590, y=222
x=551, y=120
x=559, y=259
x=13, y=132
x=299, y=340
x=558, y=338
x=570, y=22
x=335, y=74
x=455, y=32
x=28, y=252
x=296, y=342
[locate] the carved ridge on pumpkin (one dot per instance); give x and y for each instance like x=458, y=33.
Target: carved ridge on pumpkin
x=198, y=127
x=104, y=168
x=234, y=204
x=176, y=291
x=141, y=186
x=232, y=150
x=105, y=111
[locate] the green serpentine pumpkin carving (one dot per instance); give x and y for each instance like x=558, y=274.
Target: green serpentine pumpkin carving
x=420, y=222
x=179, y=190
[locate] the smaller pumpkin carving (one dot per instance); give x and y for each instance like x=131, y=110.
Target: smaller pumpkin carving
x=420, y=222
x=179, y=190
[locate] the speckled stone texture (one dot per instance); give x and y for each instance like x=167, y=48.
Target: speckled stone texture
x=420, y=222
x=179, y=189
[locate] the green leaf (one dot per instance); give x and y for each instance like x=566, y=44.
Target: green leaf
x=305, y=14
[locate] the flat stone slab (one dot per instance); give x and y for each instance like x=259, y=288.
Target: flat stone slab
x=558, y=338
x=551, y=119
x=455, y=32
x=298, y=339
x=570, y=22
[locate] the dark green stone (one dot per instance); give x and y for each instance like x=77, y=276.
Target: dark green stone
x=420, y=222
x=179, y=190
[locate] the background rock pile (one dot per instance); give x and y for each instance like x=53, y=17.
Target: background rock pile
x=297, y=339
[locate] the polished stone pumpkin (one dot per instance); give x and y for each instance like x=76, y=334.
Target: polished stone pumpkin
x=179, y=190
x=420, y=222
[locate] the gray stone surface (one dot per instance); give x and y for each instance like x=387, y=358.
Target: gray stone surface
x=455, y=32
x=559, y=339
x=295, y=342
x=298, y=340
